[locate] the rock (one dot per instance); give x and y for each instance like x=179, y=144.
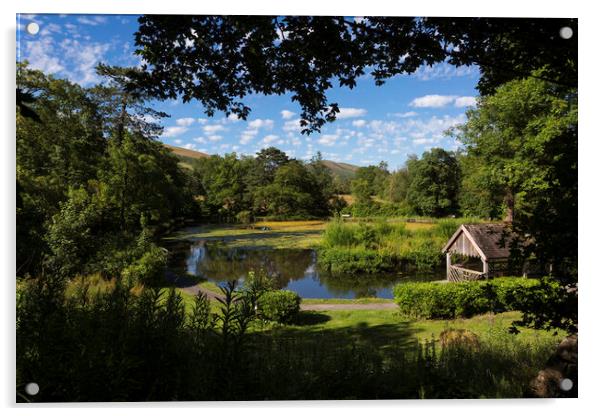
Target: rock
x=559, y=377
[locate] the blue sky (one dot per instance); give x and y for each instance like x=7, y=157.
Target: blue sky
x=407, y=115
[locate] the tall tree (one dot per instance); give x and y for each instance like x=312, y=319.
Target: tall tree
x=525, y=137
x=61, y=146
x=219, y=60
x=435, y=182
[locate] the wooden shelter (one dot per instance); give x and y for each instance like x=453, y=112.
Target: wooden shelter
x=489, y=243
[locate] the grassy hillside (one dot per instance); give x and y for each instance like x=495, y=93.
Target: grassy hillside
x=186, y=153
x=186, y=156
x=343, y=170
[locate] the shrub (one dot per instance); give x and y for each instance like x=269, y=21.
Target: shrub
x=425, y=255
x=244, y=217
x=337, y=233
x=355, y=260
x=452, y=300
x=148, y=269
x=279, y=306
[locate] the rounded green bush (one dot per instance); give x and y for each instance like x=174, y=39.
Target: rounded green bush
x=279, y=306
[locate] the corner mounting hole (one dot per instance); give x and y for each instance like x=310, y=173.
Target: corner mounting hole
x=566, y=32
x=32, y=389
x=32, y=28
x=566, y=384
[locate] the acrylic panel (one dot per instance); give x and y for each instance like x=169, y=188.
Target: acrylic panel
x=295, y=208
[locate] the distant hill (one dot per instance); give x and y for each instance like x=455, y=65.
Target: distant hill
x=342, y=170
x=186, y=153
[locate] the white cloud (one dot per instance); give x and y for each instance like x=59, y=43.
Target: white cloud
x=292, y=126
x=444, y=71
x=248, y=135
x=213, y=128
x=328, y=139
x=424, y=140
x=186, y=122
x=233, y=118
x=174, y=131
x=406, y=114
x=432, y=101
x=269, y=139
x=358, y=123
x=91, y=20
x=287, y=115
x=40, y=56
x=214, y=138
x=349, y=112
x=261, y=124
x=190, y=146
x=200, y=140
x=437, y=101
x=177, y=141
x=467, y=101
x=50, y=28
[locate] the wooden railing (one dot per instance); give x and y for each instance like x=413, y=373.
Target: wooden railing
x=460, y=274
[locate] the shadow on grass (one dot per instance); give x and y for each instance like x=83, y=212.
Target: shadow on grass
x=306, y=318
x=309, y=329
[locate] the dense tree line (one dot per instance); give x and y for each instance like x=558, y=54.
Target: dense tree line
x=271, y=184
x=92, y=181
x=429, y=186
x=94, y=186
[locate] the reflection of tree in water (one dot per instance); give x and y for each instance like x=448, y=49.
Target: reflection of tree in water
x=363, y=286
x=220, y=263
x=368, y=285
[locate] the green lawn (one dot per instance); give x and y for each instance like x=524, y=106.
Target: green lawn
x=388, y=327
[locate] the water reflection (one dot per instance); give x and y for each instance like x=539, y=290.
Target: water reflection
x=293, y=269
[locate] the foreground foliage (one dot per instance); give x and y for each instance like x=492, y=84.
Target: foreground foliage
x=113, y=345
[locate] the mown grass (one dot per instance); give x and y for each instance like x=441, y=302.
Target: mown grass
x=360, y=301
x=387, y=328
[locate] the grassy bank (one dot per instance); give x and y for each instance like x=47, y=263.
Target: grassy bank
x=385, y=246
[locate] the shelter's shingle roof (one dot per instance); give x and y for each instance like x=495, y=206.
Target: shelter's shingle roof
x=494, y=240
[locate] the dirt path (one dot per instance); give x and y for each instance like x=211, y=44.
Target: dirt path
x=188, y=285
x=347, y=306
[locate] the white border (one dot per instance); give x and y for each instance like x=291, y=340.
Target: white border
x=589, y=185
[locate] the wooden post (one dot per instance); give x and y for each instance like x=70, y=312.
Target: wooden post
x=448, y=264
x=485, y=268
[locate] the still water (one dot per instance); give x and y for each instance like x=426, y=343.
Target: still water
x=292, y=269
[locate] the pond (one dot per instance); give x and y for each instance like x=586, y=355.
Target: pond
x=292, y=269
